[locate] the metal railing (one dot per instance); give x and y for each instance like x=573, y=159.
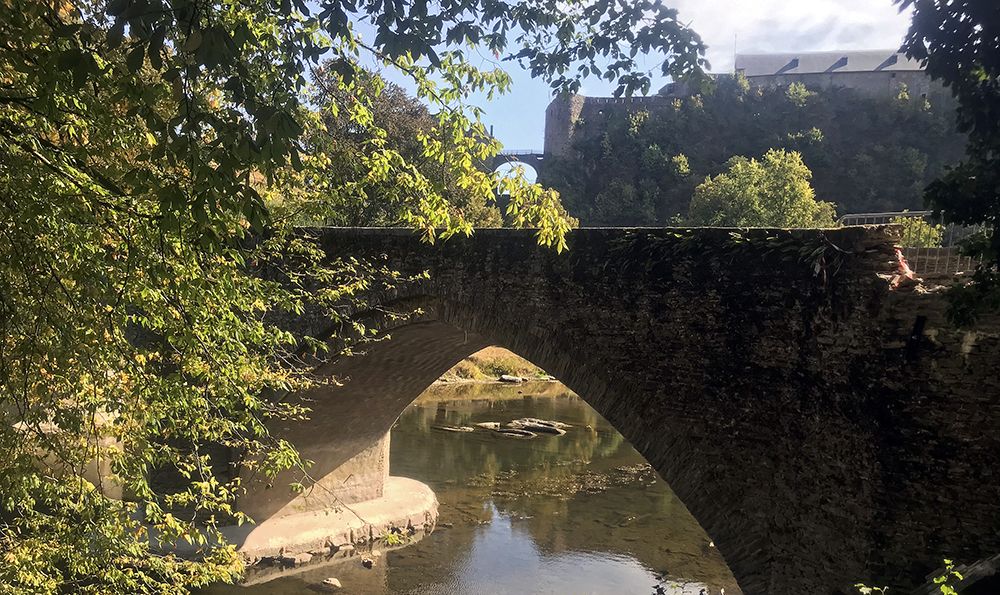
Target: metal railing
x=513, y=152
x=951, y=233
x=946, y=259
x=939, y=261
x=880, y=218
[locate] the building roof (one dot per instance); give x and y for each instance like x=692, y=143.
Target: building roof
x=818, y=62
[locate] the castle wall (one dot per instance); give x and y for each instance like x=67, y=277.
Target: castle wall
x=884, y=83
x=565, y=111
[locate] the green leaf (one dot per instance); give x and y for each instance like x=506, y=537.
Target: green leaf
x=116, y=34
x=134, y=58
x=117, y=7
x=155, y=50
x=193, y=42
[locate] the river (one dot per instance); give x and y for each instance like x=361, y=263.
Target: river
x=578, y=513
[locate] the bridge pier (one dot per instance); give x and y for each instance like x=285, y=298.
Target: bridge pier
x=349, y=495
x=356, y=503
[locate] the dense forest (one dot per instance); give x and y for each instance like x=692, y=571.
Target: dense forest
x=865, y=153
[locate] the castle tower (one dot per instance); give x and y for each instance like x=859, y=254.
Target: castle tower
x=561, y=117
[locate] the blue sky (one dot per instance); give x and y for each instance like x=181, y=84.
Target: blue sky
x=756, y=25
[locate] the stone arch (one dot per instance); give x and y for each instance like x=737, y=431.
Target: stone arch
x=767, y=375
x=532, y=159
x=391, y=374
x=697, y=372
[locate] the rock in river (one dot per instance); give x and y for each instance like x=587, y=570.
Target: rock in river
x=516, y=433
x=330, y=584
x=454, y=428
x=489, y=425
x=539, y=425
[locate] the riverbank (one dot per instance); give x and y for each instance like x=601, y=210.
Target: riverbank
x=485, y=390
x=490, y=364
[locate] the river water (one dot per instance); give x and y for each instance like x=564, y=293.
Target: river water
x=575, y=514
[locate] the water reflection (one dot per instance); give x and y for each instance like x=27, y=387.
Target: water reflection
x=585, y=503
x=579, y=513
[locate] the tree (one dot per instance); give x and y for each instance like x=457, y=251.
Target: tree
x=153, y=164
x=959, y=42
x=404, y=121
x=772, y=192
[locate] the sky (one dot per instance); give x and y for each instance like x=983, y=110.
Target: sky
x=518, y=119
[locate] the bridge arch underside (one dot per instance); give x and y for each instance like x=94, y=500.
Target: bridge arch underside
x=736, y=482
x=533, y=161
x=773, y=402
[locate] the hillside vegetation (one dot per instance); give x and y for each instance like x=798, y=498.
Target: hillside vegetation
x=491, y=363
x=865, y=154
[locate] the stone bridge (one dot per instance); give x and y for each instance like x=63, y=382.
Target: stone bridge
x=532, y=157
x=823, y=428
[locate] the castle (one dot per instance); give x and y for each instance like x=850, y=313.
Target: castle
x=877, y=73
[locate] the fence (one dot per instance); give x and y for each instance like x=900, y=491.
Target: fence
x=946, y=259
x=516, y=152
x=951, y=233
x=939, y=261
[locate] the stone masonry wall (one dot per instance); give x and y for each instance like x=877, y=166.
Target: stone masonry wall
x=768, y=376
x=938, y=436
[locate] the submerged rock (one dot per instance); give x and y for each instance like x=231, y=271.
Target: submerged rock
x=516, y=433
x=556, y=424
x=454, y=428
x=290, y=560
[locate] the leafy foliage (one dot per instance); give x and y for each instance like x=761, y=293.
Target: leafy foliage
x=946, y=582
x=395, y=537
x=947, y=578
x=396, y=123
x=772, y=192
x=918, y=232
x=866, y=153
x=967, y=302
x=959, y=42
x=155, y=156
